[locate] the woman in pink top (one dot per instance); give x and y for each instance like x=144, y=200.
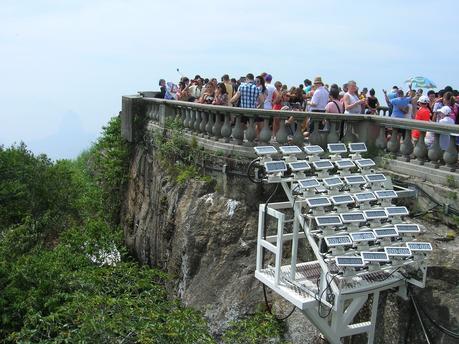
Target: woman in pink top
x=334, y=105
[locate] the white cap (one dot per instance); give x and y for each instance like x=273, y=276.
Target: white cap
x=423, y=100
x=445, y=110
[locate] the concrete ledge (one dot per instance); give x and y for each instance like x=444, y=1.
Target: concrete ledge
x=425, y=172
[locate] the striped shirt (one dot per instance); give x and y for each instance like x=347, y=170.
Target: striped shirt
x=249, y=95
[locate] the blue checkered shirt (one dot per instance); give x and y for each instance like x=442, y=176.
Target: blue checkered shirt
x=249, y=95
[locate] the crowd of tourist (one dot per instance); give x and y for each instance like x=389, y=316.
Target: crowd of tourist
x=316, y=96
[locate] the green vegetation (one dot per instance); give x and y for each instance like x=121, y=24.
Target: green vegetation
x=451, y=182
x=180, y=158
x=65, y=275
x=256, y=329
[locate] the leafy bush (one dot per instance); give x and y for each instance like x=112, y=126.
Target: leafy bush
x=56, y=222
x=255, y=329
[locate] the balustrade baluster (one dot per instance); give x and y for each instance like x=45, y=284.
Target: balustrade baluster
x=314, y=135
x=197, y=121
x=250, y=132
x=435, y=153
x=226, y=128
x=202, y=125
x=381, y=140
x=420, y=150
x=406, y=147
x=192, y=119
x=282, y=135
x=298, y=137
x=332, y=136
x=450, y=154
x=348, y=135
x=210, y=124
x=238, y=132
x=217, y=128
x=187, y=118
x=394, y=143
x=265, y=133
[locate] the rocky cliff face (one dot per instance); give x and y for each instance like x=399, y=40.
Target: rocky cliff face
x=204, y=235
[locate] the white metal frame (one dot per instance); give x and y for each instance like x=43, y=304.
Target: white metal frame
x=347, y=301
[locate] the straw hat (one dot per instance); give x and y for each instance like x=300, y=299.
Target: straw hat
x=318, y=80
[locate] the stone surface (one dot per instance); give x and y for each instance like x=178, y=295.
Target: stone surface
x=204, y=235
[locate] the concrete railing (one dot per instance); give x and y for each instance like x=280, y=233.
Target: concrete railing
x=236, y=126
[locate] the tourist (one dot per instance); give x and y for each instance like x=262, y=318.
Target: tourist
x=228, y=85
x=195, y=89
x=248, y=94
x=307, y=86
x=372, y=103
x=208, y=93
x=445, y=99
x=423, y=114
x=260, y=83
x=277, y=96
x=431, y=94
x=399, y=104
x=162, y=89
x=268, y=103
x=183, y=92
x=334, y=105
x=290, y=126
x=221, y=95
x=445, y=118
x=352, y=103
x=320, y=97
x=413, y=106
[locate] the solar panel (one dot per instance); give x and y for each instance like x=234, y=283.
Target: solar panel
x=300, y=165
x=290, y=149
x=369, y=256
x=375, y=214
x=328, y=220
x=275, y=166
x=308, y=183
x=354, y=180
x=338, y=240
x=365, y=196
x=376, y=178
x=313, y=149
x=332, y=181
x=385, y=194
x=350, y=261
x=352, y=217
x=385, y=232
x=363, y=163
x=407, y=228
x=397, y=211
x=342, y=199
x=337, y=148
x=265, y=150
x=317, y=202
x=322, y=165
x=363, y=236
x=398, y=251
x=419, y=246
x=344, y=163
x=358, y=147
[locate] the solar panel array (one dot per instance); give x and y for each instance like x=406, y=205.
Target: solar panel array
x=348, y=205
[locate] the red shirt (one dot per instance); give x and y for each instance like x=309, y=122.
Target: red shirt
x=423, y=114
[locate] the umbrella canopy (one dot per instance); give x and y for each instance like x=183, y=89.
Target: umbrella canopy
x=420, y=82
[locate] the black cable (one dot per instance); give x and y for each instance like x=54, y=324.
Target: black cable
x=251, y=165
x=424, y=329
x=443, y=329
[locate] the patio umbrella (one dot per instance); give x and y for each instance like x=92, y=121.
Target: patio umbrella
x=420, y=82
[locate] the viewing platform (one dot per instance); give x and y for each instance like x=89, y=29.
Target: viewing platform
x=222, y=129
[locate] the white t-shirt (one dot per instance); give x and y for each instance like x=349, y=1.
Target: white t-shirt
x=268, y=105
x=320, y=98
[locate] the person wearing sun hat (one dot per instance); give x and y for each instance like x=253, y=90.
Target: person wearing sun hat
x=445, y=118
x=320, y=97
x=423, y=114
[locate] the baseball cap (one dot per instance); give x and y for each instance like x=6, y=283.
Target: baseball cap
x=423, y=100
x=445, y=110
x=268, y=77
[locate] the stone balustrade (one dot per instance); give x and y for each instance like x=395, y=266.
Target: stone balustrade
x=237, y=126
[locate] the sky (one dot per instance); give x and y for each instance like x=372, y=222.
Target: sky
x=64, y=65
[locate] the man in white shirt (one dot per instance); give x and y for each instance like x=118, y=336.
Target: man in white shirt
x=268, y=104
x=320, y=97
